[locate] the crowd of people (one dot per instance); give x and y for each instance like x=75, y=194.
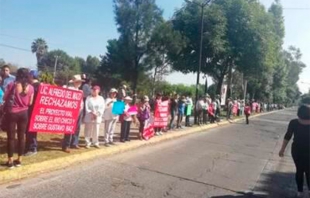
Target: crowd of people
x=17, y=96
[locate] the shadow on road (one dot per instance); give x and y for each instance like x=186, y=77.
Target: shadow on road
x=271, y=185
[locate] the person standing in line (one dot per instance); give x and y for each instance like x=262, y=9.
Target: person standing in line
x=230, y=106
x=158, y=130
x=218, y=107
x=94, y=111
x=300, y=129
x=181, y=109
x=238, y=108
x=18, y=97
x=1, y=93
x=87, y=91
x=122, y=92
x=109, y=118
x=31, y=137
x=173, y=110
x=247, y=112
x=125, y=126
x=72, y=140
x=242, y=105
x=199, y=110
x=144, y=113
x=7, y=78
x=205, y=107
x=189, y=104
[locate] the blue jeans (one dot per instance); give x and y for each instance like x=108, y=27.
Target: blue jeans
x=73, y=139
x=31, y=141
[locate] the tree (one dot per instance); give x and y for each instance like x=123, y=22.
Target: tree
x=136, y=20
x=236, y=36
x=91, y=65
x=40, y=48
x=164, y=40
x=66, y=65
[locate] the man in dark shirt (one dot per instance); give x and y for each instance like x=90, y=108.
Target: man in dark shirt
x=31, y=137
x=173, y=109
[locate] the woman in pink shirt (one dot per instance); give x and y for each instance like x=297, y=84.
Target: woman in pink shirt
x=18, y=97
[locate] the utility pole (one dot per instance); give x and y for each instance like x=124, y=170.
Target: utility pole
x=55, y=67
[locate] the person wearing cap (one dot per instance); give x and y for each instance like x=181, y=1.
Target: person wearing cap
x=144, y=113
x=31, y=137
x=109, y=118
x=72, y=140
x=125, y=126
x=94, y=108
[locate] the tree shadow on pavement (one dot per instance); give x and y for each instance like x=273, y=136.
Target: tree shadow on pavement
x=271, y=185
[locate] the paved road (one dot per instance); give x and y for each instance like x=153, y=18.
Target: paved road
x=234, y=161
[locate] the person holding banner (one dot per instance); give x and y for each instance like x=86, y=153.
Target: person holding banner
x=126, y=123
x=144, y=114
x=72, y=140
x=110, y=119
x=18, y=97
x=94, y=108
x=31, y=137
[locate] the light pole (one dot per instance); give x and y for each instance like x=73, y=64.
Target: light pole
x=202, y=6
x=55, y=67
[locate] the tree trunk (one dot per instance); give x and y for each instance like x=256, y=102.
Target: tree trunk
x=229, y=86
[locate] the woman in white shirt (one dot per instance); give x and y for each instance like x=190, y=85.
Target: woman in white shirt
x=109, y=118
x=94, y=111
x=125, y=126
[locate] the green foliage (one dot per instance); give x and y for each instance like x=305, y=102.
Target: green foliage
x=136, y=20
x=40, y=48
x=47, y=78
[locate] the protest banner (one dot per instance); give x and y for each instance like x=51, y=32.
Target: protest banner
x=148, y=130
x=56, y=110
x=161, y=114
x=189, y=110
x=118, y=108
x=133, y=110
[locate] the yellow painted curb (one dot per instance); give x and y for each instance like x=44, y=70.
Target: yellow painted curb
x=64, y=162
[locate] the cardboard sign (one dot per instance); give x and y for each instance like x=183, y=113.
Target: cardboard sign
x=118, y=108
x=148, y=131
x=189, y=110
x=161, y=114
x=56, y=110
x=133, y=110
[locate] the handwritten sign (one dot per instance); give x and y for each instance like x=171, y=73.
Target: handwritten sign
x=118, y=108
x=56, y=110
x=161, y=114
x=189, y=110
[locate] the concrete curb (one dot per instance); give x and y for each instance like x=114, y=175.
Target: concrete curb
x=64, y=162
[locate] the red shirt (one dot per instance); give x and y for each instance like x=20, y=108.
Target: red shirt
x=247, y=110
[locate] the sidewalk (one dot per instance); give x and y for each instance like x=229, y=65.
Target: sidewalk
x=50, y=157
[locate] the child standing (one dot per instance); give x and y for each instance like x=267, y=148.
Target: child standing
x=125, y=126
x=247, y=112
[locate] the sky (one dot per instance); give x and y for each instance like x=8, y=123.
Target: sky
x=83, y=28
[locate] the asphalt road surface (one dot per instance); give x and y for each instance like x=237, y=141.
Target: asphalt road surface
x=235, y=161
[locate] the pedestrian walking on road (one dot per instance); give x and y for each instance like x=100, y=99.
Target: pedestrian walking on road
x=300, y=129
x=247, y=112
x=18, y=97
x=94, y=108
x=109, y=118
